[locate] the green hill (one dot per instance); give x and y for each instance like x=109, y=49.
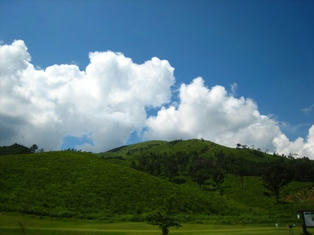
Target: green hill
x=73, y=184
x=129, y=182
x=243, y=169
x=152, y=155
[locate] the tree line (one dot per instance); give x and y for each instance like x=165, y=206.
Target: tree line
x=209, y=172
x=18, y=149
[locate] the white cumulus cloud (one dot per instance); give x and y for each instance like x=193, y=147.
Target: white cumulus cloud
x=107, y=99
x=299, y=147
x=215, y=115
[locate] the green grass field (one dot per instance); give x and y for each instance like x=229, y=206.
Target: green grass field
x=11, y=224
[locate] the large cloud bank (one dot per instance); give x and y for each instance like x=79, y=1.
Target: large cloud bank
x=107, y=102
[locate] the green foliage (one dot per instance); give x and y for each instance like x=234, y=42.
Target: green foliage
x=236, y=174
x=218, y=178
x=33, y=148
x=276, y=176
x=74, y=184
x=163, y=219
x=175, y=158
x=302, y=169
x=178, y=180
x=14, y=149
x=200, y=170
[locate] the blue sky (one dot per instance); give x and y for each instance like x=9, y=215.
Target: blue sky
x=265, y=47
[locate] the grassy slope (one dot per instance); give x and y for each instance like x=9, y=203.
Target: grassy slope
x=251, y=194
x=83, y=185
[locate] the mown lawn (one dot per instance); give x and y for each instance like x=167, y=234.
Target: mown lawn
x=17, y=225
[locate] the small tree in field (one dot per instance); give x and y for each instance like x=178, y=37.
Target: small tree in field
x=163, y=217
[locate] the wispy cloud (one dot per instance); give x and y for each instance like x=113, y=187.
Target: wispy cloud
x=293, y=129
x=308, y=109
x=234, y=87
